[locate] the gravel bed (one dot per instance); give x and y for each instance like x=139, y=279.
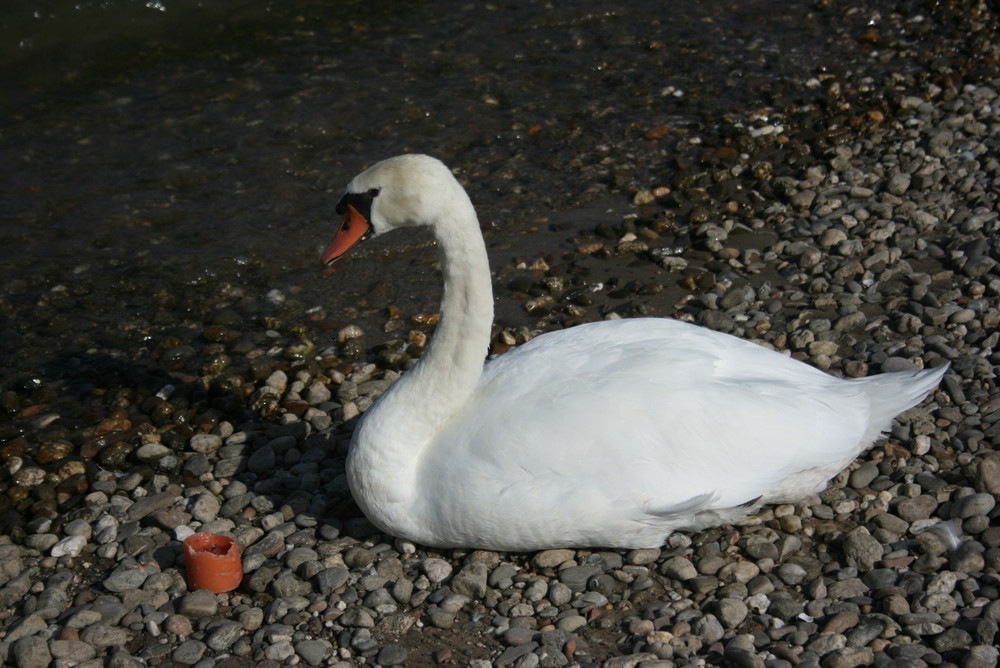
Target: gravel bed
x=861, y=238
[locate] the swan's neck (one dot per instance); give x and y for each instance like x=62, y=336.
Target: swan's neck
x=441, y=382
x=396, y=431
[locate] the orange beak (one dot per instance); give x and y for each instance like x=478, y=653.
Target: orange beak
x=353, y=228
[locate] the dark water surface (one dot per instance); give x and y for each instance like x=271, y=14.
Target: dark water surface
x=169, y=157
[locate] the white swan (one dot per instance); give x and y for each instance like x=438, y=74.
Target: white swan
x=609, y=434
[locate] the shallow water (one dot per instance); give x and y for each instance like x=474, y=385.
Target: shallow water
x=155, y=153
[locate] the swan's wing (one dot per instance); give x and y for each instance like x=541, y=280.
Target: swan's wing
x=669, y=415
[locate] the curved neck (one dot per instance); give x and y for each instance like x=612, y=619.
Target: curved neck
x=385, y=453
x=450, y=368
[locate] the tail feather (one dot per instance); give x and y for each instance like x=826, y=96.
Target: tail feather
x=889, y=394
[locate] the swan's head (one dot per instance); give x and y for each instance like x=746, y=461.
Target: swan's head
x=404, y=191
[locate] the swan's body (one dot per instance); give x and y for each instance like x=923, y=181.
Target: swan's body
x=609, y=434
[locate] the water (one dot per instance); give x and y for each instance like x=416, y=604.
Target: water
x=156, y=154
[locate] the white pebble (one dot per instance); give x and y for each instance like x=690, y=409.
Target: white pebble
x=70, y=546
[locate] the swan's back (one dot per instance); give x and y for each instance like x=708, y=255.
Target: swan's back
x=650, y=423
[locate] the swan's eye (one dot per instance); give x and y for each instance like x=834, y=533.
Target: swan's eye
x=362, y=202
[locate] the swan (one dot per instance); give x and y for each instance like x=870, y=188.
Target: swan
x=608, y=434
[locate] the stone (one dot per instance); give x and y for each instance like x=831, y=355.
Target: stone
x=126, y=578
x=987, y=474
x=152, y=452
x=205, y=444
x=287, y=585
x=917, y=508
x=517, y=635
x=148, y=505
x=105, y=635
x=848, y=657
x=736, y=657
x=222, y=637
x=391, y=655
x=841, y=622
x=262, y=460
x=982, y=656
x=709, y=629
x=72, y=651
x=436, y=570
x=571, y=623
x=314, y=652
x=679, y=568
x=791, y=574
x=471, y=580
x=32, y=652
x=439, y=618
x=317, y=393
x=952, y=639
x=279, y=651
x=731, y=612
x=357, y=618
x=205, y=507
x=898, y=184
x=576, y=577
x=863, y=476
x=329, y=580
x=24, y=627
x=201, y=603
x=642, y=557
x=862, y=550
x=189, y=652
x=551, y=558
x=972, y=505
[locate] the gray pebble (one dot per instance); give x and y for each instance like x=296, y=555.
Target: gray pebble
x=470, y=581
x=189, y=652
x=679, y=568
x=862, y=550
x=126, y=579
x=391, y=655
x=201, y=603
x=32, y=652
x=314, y=652
x=973, y=504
